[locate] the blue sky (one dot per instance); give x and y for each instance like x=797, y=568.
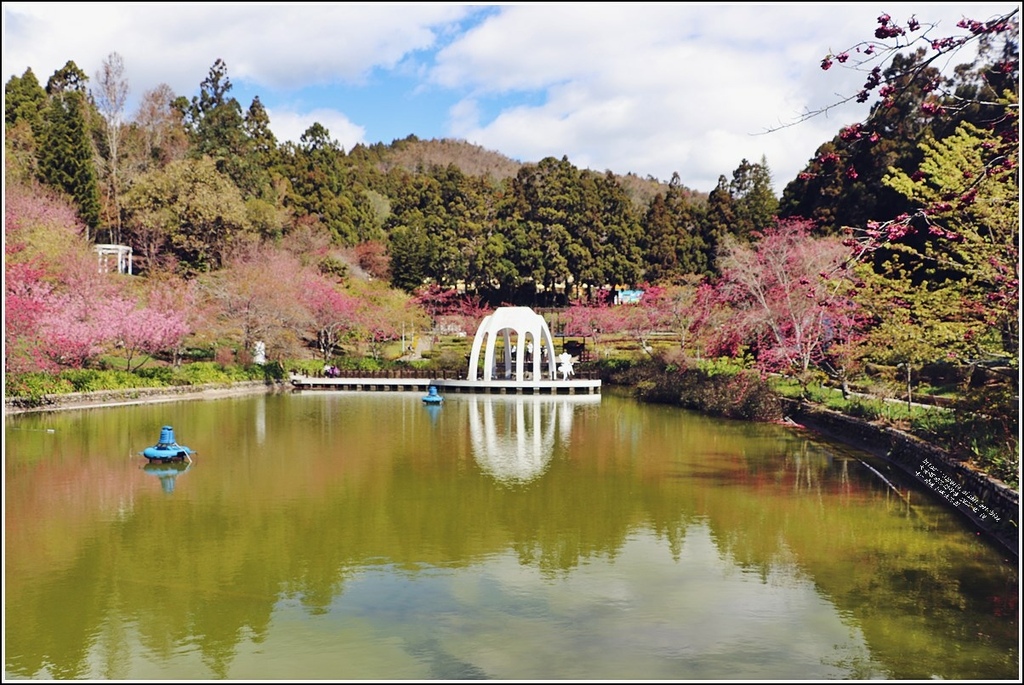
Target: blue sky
x=644, y=88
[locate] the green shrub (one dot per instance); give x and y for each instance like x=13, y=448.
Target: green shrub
x=449, y=359
x=715, y=389
x=93, y=380
x=201, y=373
x=198, y=354
x=308, y=367
x=999, y=461
x=867, y=409
x=31, y=389
x=720, y=365
x=157, y=376
x=332, y=266
x=271, y=371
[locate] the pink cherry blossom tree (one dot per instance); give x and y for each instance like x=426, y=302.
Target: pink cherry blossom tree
x=138, y=331
x=255, y=297
x=171, y=294
x=791, y=294
x=333, y=312
x=25, y=303
x=71, y=332
x=463, y=314
x=379, y=316
x=593, y=318
x=643, y=319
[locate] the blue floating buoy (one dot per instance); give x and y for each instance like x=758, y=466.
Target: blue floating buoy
x=167, y=449
x=432, y=397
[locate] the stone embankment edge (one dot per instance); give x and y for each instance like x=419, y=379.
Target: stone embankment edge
x=114, y=398
x=991, y=506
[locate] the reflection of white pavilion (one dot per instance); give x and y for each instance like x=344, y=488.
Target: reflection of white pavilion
x=514, y=437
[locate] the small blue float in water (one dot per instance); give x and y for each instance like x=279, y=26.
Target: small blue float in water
x=167, y=449
x=432, y=397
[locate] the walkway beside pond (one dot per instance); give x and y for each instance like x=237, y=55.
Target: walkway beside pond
x=397, y=382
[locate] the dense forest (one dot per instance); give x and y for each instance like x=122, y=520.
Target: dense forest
x=897, y=245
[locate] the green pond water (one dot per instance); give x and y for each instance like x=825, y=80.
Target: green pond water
x=366, y=536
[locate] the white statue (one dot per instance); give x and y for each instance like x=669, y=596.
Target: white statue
x=565, y=365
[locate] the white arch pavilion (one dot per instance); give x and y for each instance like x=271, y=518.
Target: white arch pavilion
x=519, y=326
x=510, y=375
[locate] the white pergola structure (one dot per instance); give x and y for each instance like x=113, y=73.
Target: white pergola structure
x=123, y=254
x=519, y=326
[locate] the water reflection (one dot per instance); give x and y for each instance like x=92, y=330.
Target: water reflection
x=354, y=536
x=167, y=472
x=514, y=437
x=261, y=419
x=433, y=411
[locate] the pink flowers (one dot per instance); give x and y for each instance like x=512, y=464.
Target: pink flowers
x=851, y=132
x=887, y=29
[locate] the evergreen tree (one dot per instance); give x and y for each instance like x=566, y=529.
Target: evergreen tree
x=659, y=240
x=454, y=224
x=317, y=184
x=219, y=130
x=24, y=100
x=719, y=219
x=673, y=243
x=539, y=219
x=256, y=170
x=24, y=103
x=65, y=146
x=410, y=255
x=756, y=204
x=611, y=233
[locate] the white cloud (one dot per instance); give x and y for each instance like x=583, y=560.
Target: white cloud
x=649, y=88
x=659, y=89
x=290, y=125
x=287, y=46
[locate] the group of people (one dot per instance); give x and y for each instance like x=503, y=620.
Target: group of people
x=529, y=352
x=565, y=361
x=331, y=371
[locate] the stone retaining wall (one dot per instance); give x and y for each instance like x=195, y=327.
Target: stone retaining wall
x=989, y=504
x=107, y=398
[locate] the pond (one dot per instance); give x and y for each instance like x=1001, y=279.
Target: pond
x=356, y=536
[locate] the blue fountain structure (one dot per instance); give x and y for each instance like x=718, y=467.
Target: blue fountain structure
x=432, y=397
x=167, y=449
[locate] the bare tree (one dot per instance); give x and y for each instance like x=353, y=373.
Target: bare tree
x=162, y=138
x=110, y=97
